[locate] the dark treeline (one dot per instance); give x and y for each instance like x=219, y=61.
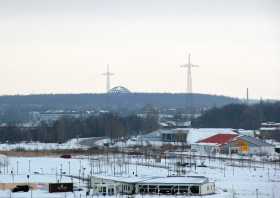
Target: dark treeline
x=129, y=100
x=110, y=125
x=239, y=116
x=16, y=109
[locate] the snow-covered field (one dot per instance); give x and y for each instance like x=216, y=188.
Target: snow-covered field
x=71, y=144
x=257, y=180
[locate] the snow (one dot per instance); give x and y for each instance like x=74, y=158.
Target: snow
x=125, y=179
x=154, y=179
x=246, y=132
x=3, y=160
x=268, y=129
x=206, y=144
x=231, y=179
x=176, y=180
x=103, y=141
x=153, y=138
x=71, y=144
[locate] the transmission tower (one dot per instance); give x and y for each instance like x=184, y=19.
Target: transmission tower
x=108, y=75
x=189, y=99
x=189, y=66
x=247, y=96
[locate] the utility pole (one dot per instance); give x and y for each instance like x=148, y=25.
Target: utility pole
x=29, y=162
x=108, y=75
x=17, y=167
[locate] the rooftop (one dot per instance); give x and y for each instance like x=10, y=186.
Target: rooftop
x=219, y=139
x=156, y=180
x=177, y=180
x=197, y=134
x=254, y=140
x=125, y=179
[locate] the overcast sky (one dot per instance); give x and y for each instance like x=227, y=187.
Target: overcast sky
x=63, y=46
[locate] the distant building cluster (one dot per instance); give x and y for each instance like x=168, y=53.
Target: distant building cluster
x=211, y=141
x=49, y=117
x=270, y=130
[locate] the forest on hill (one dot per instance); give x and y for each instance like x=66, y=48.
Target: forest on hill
x=239, y=116
x=115, y=100
x=17, y=108
x=110, y=125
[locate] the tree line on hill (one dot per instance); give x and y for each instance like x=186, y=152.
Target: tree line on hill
x=17, y=108
x=127, y=100
x=239, y=116
x=110, y=125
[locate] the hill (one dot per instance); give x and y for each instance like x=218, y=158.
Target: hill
x=130, y=101
x=239, y=116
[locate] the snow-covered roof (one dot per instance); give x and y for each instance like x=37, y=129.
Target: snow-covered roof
x=124, y=179
x=163, y=124
x=155, y=180
x=177, y=180
x=246, y=132
x=270, y=124
x=255, y=141
x=206, y=144
x=269, y=129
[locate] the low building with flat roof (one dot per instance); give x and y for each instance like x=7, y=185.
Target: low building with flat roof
x=171, y=185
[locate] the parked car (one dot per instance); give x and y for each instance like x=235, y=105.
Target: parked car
x=21, y=188
x=66, y=156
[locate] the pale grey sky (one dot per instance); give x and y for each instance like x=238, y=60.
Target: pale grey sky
x=63, y=46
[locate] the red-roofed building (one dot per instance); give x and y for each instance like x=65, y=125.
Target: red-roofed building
x=220, y=139
x=213, y=144
x=232, y=143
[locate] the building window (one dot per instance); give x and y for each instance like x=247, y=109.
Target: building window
x=194, y=189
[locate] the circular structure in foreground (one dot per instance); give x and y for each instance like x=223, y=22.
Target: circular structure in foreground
x=119, y=90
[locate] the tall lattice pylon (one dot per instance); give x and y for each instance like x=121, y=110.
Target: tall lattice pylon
x=189, y=66
x=108, y=75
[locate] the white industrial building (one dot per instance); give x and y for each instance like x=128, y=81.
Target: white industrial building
x=173, y=185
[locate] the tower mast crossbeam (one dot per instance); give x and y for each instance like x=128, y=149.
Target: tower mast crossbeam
x=108, y=75
x=189, y=67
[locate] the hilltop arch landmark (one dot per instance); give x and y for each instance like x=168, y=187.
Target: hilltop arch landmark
x=119, y=90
